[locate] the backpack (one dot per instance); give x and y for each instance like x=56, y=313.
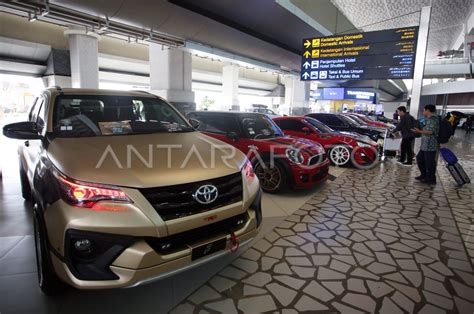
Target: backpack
x=445, y=131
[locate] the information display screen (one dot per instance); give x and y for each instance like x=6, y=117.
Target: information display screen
x=387, y=54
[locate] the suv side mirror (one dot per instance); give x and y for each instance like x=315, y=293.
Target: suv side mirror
x=22, y=131
x=306, y=130
x=233, y=136
x=194, y=123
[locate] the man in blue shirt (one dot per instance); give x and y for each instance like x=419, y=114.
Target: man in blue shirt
x=426, y=158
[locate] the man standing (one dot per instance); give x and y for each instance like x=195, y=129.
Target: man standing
x=405, y=126
x=426, y=158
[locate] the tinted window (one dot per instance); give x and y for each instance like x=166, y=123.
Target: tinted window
x=259, y=127
x=321, y=127
x=334, y=121
x=350, y=121
x=221, y=124
x=290, y=125
x=78, y=115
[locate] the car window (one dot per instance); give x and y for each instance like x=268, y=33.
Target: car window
x=334, y=121
x=320, y=117
x=290, y=125
x=98, y=115
x=358, y=120
x=350, y=121
x=220, y=124
x=259, y=127
x=321, y=127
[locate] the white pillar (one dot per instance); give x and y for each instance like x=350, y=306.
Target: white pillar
x=171, y=76
x=425, y=17
x=296, y=96
x=84, y=54
x=230, y=87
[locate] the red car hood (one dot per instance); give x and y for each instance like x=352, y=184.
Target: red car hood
x=313, y=148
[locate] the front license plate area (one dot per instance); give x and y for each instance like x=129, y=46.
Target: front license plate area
x=208, y=248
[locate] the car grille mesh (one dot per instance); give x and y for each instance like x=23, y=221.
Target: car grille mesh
x=316, y=159
x=172, y=202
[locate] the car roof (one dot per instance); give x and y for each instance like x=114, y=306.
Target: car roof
x=230, y=113
x=55, y=91
x=290, y=118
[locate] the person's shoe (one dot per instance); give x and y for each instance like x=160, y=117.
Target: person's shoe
x=429, y=182
x=420, y=178
x=400, y=161
x=407, y=164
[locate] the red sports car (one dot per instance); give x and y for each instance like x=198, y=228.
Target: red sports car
x=279, y=161
x=341, y=147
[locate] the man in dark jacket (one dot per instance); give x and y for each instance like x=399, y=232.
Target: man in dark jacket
x=405, y=126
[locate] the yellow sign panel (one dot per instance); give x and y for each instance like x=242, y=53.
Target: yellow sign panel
x=316, y=42
x=315, y=53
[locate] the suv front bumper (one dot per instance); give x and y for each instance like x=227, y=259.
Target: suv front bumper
x=139, y=260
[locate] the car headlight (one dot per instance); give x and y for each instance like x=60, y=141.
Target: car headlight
x=248, y=170
x=294, y=155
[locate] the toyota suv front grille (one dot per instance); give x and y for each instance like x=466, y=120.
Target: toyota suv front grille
x=177, y=201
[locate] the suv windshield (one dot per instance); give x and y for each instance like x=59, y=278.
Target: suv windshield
x=91, y=115
x=321, y=127
x=259, y=127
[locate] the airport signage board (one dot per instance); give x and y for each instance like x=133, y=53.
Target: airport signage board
x=387, y=54
x=340, y=93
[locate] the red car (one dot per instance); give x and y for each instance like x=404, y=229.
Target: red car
x=368, y=121
x=279, y=161
x=341, y=147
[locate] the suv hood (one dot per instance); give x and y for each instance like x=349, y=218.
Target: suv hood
x=145, y=160
x=284, y=142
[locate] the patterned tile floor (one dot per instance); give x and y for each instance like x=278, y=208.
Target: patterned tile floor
x=370, y=241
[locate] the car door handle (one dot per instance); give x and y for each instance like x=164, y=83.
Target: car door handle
x=27, y=143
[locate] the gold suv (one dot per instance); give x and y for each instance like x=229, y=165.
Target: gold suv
x=125, y=190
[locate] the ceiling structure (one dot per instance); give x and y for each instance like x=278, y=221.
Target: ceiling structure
x=447, y=18
x=270, y=32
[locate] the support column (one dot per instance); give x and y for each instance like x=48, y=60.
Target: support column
x=425, y=17
x=296, y=96
x=171, y=76
x=58, y=71
x=230, y=87
x=84, y=56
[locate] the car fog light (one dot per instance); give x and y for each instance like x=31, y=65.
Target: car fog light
x=165, y=246
x=83, y=245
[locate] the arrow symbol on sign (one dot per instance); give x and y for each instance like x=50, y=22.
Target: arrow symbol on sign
x=307, y=54
x=305, y=75
x=306, y=65
x=307, y=43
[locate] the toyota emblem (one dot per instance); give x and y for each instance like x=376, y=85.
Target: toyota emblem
x=206, y=194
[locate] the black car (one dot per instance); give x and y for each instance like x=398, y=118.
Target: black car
x=342, y=123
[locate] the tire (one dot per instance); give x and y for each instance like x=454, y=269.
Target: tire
x=340, y=155
x=48, y=282
x=272, y=179
x=25, y=184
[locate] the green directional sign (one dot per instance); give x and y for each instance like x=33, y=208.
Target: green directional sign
x=387, y=54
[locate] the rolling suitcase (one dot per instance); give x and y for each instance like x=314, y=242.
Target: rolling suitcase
x=454, y=168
